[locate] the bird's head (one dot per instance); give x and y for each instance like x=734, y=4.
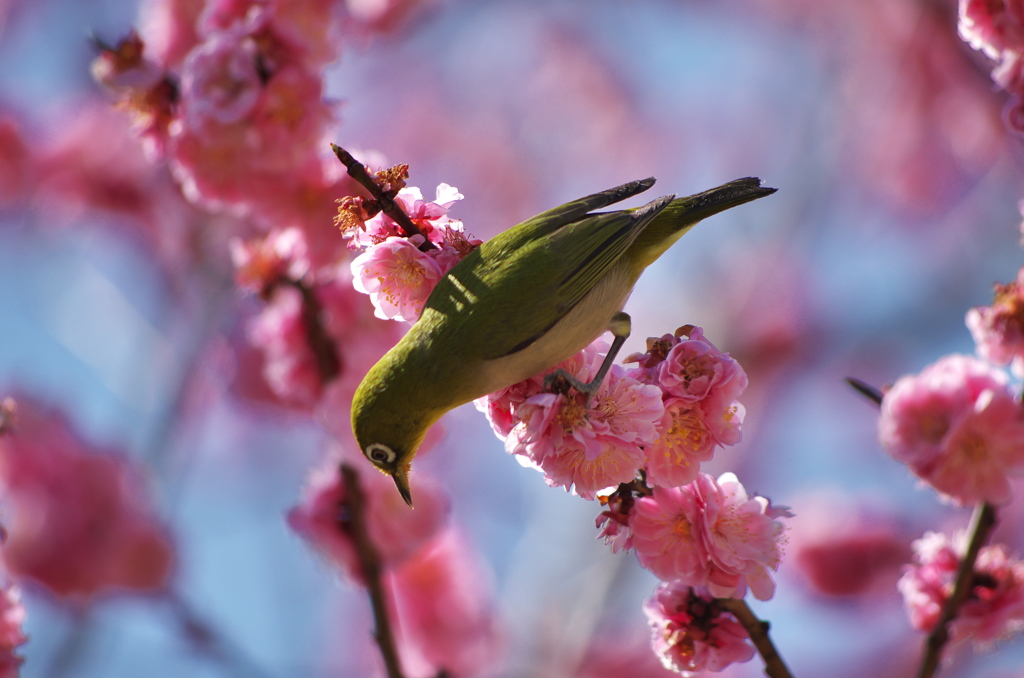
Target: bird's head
x=388, y=432
x=394, y=461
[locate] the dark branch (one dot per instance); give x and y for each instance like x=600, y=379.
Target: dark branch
x=774, y=667
x=357, y=171
x=355, y=520
x=866, y=390
x=982, y=523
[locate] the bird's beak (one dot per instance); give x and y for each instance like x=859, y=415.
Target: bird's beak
x=401, y=477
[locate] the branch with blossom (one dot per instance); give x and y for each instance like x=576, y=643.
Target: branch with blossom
x=959, y=427
x=638, y=442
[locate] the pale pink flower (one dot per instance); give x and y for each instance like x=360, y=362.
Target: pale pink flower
x=396, y=531
x=694, y=370
x=958, y=427
x=691, y=634
x=998, y=330
x=443, y=596
x=994, y=609
x=710, y=533
x=589, y=447
x=397, y=276
x=79, y=520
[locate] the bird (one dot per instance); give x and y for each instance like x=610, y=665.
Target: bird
x=525, y=300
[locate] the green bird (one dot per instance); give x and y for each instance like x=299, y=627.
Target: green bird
x=525, y=300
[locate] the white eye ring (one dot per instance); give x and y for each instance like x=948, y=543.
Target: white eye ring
x=379, y=453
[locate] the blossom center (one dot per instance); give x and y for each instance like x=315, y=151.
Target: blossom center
x=571, y=414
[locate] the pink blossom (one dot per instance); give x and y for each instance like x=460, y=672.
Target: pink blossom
x=220, y=81
x=691, y=634
x=694, y=370
x=994, y=609
x=613, y=522
x=743, y=536
x=17, y=170
x=998, y=330
x=958, y=427
x=168, y=28
x=500, y=407
x=445, y=610
x=262, y=263
x=992, y=26
x=12, y=617
x=125, y=67
x=710, y=533
x=306, y=32
x=684, y=441
x=841, y=549
x=229, y=156
x=429, y=216
x=666, y=535
x=397, y=276
x=397, y=531
x=281, y=331
x=589, y=446
x=80, y=521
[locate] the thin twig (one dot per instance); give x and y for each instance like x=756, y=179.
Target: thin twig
x=328, y=359
x=758, y=630
x=205, y=639
x=357, y=171
x=866, y=390
x=982, y=523
x=354, y=519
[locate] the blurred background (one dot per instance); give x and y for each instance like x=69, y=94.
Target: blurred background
x=897, y=210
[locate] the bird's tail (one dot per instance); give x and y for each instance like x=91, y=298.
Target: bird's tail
x=682, y=214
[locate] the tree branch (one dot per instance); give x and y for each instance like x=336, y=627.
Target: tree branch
x=982, y=523
x=758, y=630
x=354, y=519
x=357, y=171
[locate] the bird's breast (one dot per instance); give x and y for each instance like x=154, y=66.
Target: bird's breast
x=572, y=333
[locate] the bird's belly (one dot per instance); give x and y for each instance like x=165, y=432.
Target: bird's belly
x=580, y=326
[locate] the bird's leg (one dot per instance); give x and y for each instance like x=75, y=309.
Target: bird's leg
x=620, y=327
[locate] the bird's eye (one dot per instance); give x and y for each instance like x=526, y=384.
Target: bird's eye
x=379, y=453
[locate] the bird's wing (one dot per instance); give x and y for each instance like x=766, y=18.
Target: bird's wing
x=512, y=291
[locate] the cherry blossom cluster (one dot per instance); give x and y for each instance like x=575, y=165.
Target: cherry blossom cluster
x=996, y=28
x=440, y=593
x=398, y=270
x=664, y=416
x=78, y=520
x=994, y=609
x=692, y=633
x=958, y=425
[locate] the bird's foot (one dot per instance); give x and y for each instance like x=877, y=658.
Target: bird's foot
x=561, y=381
